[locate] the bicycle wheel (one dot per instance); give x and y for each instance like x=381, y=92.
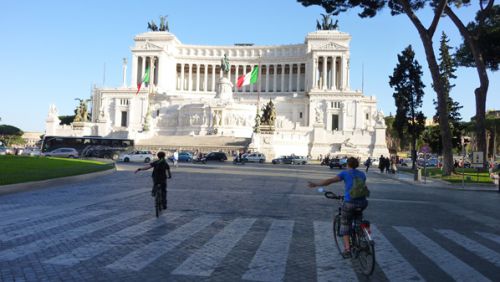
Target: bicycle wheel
x=366, y=256
x=336, y=234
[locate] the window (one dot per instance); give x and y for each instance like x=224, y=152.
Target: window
x=124, y=119
x=335, y=122
x=367, y=116
x=124, y=102
x=300, y=115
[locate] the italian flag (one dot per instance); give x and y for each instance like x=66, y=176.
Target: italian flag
x=248, y=78
x=145, y=79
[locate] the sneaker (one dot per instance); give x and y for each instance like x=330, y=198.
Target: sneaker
x=346, y=254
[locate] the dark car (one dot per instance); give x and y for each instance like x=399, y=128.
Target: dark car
x=283, y=160
x=336, y=162
x=216, y=156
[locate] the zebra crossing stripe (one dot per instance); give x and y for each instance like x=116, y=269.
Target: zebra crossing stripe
x=472, y=215
x=390, y=260
x=23, y=250
x=64, y=209
x=140, y=258
x=36, y=228
x=21, y=212
x=472, y=246
x=450, y=264
x=490, y=236
x=330, y=266
x=205, y=260
x=269, y=263
x=123, y=236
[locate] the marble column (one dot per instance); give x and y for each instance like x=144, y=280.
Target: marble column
x=314, y=73
x=324, y=73
x=290, y=77
x=190, y=77
x=213, y=78
x=182, y=77
x=267, y=78
x=205, y=78
x=250, y=87
x=236, y=75
x=334, y=73
x=298, y=77
x=143, y=70
x=275, y=66
x=197, y=77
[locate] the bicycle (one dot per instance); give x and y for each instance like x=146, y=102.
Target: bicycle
x=361, y=243
x=158, y=194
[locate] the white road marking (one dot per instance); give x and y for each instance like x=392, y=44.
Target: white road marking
x=204, y=261
x=121, y=237
x=472, y=246
x=23, y=250
x=269, y=263
x=330, y=266
x=450, y=264
x=142, y=257
x=390, y=260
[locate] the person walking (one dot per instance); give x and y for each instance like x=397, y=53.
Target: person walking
x=368, y=163
x=161, y=170
x=176, y=158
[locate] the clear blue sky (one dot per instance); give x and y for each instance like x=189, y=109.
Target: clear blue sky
x=53, y=51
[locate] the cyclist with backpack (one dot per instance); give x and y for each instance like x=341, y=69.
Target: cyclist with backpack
x=355, y=193
x=161, y=170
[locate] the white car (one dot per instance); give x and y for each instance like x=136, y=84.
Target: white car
x=62, y=153
x=137, y=156
x=32, y=152
x=254, y=157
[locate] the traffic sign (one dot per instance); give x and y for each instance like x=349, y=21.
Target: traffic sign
x=425, y=149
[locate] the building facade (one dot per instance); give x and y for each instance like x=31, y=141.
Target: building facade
x=191, y=97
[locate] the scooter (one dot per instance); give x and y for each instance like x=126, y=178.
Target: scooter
x=239, y=161
x=198, y=160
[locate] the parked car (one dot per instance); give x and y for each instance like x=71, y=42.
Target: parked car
x=216, y=156
x=62, y=153
x=3, y=150
x=300, y=160
x=254, y=157
x=338, y=163
x=183, y=157
x=32, y=152
x=282, y=160
x=137, y=156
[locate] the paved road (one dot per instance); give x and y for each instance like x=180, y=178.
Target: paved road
x=241, y=223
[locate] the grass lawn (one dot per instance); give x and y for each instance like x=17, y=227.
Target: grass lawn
x=471, y=175
x=18, y=169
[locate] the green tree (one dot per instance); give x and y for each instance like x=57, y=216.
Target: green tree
x=471, y=39
x=432, y=137
x=67, y=120
x=487, y=35
x=447, y=68
x=370, y=8
x=408, y=93
x=10, y=135
x=391, y=135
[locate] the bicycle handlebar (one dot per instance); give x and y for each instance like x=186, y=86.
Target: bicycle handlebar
x=331, y=195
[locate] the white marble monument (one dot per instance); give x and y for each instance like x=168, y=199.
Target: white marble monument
x=191, y=95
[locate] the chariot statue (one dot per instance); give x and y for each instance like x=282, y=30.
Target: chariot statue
x=326, y=23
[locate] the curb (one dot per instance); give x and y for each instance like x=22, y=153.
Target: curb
x=440, y=184
x=42, y=184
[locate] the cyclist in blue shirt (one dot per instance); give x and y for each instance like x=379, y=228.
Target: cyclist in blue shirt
x=349, y=204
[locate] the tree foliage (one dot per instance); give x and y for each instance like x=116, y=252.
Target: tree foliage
x=487, y=35
x=66, y=120
x=408, y=93
x=447, y=68
x=369, y=8
x=10, y=135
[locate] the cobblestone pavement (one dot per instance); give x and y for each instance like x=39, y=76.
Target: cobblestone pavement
x=241, y=223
